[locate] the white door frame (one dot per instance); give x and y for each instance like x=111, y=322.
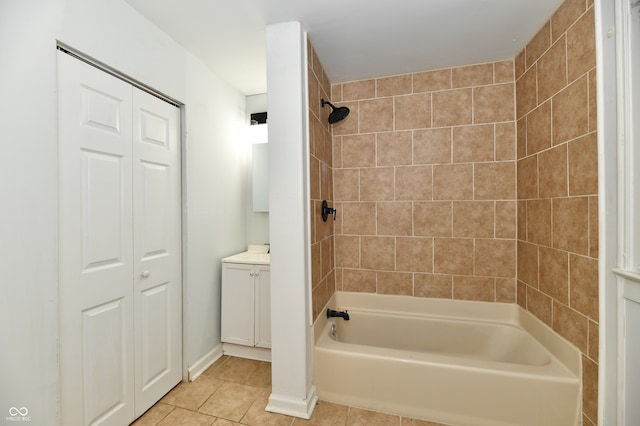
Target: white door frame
x=619, y=202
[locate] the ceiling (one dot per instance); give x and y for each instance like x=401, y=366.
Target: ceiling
x=355, y=39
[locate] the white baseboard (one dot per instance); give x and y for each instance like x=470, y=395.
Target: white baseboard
x=205, y=362
x=251, y=352
x=282, y=404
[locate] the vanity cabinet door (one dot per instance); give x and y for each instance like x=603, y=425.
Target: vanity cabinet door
x=263, y=307
x=237, y=322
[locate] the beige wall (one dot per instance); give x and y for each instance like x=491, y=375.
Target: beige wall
x=425, y=184
x=558, y=183
x=321, y=184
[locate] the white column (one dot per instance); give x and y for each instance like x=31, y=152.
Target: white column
x=292, y=391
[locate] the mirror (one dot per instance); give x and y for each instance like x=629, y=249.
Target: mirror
x=260, y=177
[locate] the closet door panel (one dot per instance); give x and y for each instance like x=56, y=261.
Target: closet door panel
x=157, y=248
x=95, y=246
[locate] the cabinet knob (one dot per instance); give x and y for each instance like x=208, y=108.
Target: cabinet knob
x=145, y=274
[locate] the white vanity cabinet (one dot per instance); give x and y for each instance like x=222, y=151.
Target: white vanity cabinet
x=246, y=306
x=246, y=310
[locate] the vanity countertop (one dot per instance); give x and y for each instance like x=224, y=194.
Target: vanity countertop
x=255, y=255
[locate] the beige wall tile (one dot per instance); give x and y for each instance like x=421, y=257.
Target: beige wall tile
x=432, y=146
x=506, y=290
x=540, y=305
x=503, y=72
x=414, y=183
x=453, y=182
x=539, y=222
x=553, y=274
x=583, y=165
x=433, y=285
x=376, y=184
x=539, y=129
x=570, y=325
x=473, y=143
x=395, y=283
x=412, y=111
x=493, y=103
x=326, y=182
x=316, y=271
x=521, y=137
x=431, y=81
x=414, y=254
x=538, y=44
x=522, y=220
x=590, y=388
x=495, y=181
x=571, y=224
x=356, y=90
x=526, y=92
x=432, y=219
x=453, y=256
x=552, y=172
x=495, y=258
x=359, y=150
x=521, y=294
x=314, y=178
x=378, y=253
x=395, y=218
x=581, y=46
x=336, y=92
x=326, y=256
x=583, y=282
x=528, y=263
x=336, y=151
x=565, y=16
x=528, y=178
x=375, y=115
x=359, y=218
x=571, y=112
x=505, y=141
x=313, y=215
x=396, y=85
x=359, y=280
x=519, y=64
x=314, y=94
x=473, y=219
x=474, y=288
x=346, y=184
x=505, y=219
x=473, y=75
x=552, y=70
x=394, y=148
x=452, y=107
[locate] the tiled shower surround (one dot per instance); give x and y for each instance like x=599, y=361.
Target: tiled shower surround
x=558, y=184
x=476, y=182
x=425, y=181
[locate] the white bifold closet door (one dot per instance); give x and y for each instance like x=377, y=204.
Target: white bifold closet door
x=120, y=283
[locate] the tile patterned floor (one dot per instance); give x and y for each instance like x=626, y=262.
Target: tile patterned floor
x=234, y=391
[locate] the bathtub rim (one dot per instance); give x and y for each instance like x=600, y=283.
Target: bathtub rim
x=511, y=313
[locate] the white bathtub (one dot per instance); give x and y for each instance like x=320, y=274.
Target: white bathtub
x=450, y=361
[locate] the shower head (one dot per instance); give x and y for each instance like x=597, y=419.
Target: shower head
x=337, y=114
